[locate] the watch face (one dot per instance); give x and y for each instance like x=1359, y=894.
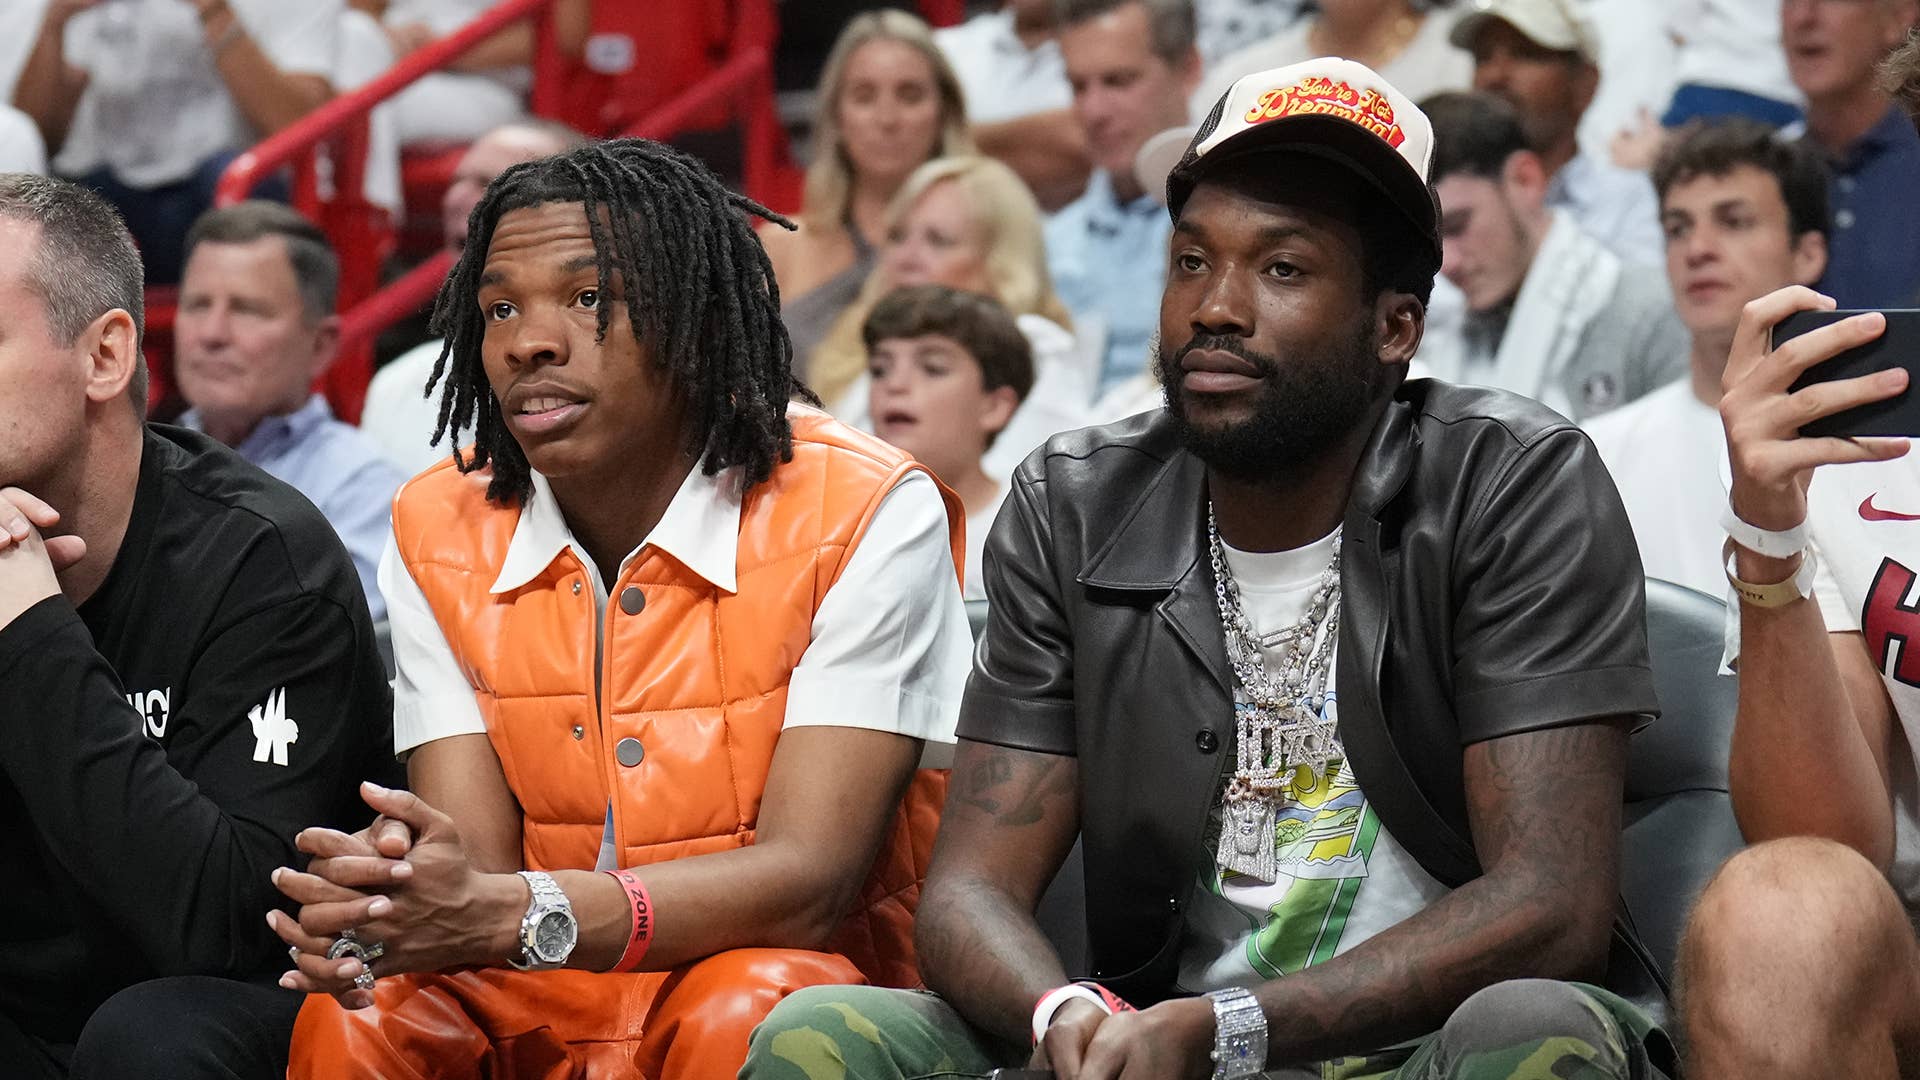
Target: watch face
x=553, y=937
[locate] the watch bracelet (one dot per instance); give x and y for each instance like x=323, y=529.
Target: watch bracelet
x=1240, y=1034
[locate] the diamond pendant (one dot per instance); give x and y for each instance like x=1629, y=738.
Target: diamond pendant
x=1246, y=838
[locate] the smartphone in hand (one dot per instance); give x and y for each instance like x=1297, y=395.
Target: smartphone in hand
x=1898, y=346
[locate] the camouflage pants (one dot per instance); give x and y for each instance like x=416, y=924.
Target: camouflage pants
x=1525, y=1030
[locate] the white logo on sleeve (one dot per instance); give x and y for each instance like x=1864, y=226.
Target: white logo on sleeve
x=273, y=729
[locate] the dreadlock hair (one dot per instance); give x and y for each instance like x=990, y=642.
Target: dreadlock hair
x=700, y=293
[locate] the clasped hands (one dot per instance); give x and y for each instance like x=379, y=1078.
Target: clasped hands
x=403, y=883
x=1171, y=1039
x=28, y=560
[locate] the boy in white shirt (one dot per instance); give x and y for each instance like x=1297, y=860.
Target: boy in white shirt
x=949, y=368
x=1744, y=213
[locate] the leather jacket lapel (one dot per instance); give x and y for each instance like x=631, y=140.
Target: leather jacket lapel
x=1159, y=548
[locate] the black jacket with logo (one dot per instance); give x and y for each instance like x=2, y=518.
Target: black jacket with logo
x=160, y=747
x=1490, y=585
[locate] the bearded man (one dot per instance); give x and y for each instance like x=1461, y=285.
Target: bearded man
x=1412, y=879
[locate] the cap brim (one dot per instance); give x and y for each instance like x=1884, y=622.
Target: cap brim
x=1359, y=151
x=1468, y=28
x=1157, y=157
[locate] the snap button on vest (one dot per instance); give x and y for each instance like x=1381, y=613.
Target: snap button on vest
x=579, y=732
x=631, y=601
x=576, y=588
x=628, y=752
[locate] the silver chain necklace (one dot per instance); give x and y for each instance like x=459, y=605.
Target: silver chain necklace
x=1281, y=728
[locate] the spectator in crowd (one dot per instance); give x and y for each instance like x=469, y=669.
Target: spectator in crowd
x=949, y=368
x=888, y=103
x=1540, y=57
x=967, y=223
x=482, y=90
x=1833, y=50
x=1745, y=214
x=1551, y=313
x=777, y=602
x=1822, y=773
x=1407, y=41
x=147, y=101
x=1132, y=65
x=1203, y=563
x=255, y=329
x=1008, y=62
x=401, y=414
x=187, y=677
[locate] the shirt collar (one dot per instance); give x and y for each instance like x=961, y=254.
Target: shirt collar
x=1106, y=204
x=700, y=530
x=273, y=432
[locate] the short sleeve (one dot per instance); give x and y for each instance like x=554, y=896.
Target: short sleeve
x=300, y=38
x=889, y=642
x=431, y=696
x=1021, y=691
x=1550, y=624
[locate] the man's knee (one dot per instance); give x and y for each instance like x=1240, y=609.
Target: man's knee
x=864, y=1032
x=188, y=1026
x=1794, y=897
x=1529, y=1022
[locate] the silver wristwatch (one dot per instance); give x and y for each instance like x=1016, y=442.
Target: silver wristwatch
x=1239, y=1034
x=548, y=932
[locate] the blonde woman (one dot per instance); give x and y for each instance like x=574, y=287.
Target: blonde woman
x=888, y=103
x=968, y=223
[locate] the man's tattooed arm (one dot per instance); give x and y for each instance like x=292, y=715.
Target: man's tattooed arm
x=1011, y=818
x=1545, y=812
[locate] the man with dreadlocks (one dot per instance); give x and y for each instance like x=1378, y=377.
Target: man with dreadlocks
x=699, y=796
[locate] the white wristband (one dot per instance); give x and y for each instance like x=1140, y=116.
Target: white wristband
x=1052, y=1000
x=1784, y=544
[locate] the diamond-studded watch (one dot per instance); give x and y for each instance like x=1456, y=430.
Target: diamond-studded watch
x=548, y=931
x=1239, y=1034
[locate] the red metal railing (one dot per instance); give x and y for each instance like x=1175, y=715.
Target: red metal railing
x=744, y=81
x=327, y=151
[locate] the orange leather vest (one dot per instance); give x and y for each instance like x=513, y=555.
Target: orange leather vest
x=697, y=677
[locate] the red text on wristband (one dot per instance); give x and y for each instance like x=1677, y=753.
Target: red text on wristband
x=642, y=934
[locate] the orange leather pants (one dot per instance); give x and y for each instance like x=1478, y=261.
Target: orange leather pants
x=690, y=1023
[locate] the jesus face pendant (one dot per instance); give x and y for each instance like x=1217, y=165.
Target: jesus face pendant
x=1246, y=839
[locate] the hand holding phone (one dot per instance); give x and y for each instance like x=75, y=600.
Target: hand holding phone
x=1898, y=346
x=1767, y=409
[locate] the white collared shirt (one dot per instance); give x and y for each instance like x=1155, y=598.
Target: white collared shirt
x=890, y=647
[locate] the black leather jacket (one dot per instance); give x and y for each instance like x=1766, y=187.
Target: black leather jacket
x=1490, y=585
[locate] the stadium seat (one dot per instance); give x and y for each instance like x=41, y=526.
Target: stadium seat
x=1679, y=824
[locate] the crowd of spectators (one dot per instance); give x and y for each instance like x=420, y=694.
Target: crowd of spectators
x=1033, y=229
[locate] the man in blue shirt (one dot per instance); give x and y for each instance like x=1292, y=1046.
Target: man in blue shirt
x=1834, y=48
x=256, y=327
x=1132, y=65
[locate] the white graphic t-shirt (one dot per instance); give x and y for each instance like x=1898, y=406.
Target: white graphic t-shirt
x=1343, y=878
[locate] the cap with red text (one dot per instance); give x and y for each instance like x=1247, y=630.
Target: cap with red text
x=1330, y=108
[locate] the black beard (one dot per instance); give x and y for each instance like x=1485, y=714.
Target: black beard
x=1306, y=408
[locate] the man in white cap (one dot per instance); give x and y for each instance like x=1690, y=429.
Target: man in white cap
x=1540, y=56
x=1406, y=880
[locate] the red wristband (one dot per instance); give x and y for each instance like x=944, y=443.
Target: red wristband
x=642, y=935
x=1114, y=1001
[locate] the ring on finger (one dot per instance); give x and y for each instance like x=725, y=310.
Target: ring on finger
x=364, y=980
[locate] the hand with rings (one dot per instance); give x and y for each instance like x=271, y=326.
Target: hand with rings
x=399, y=896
